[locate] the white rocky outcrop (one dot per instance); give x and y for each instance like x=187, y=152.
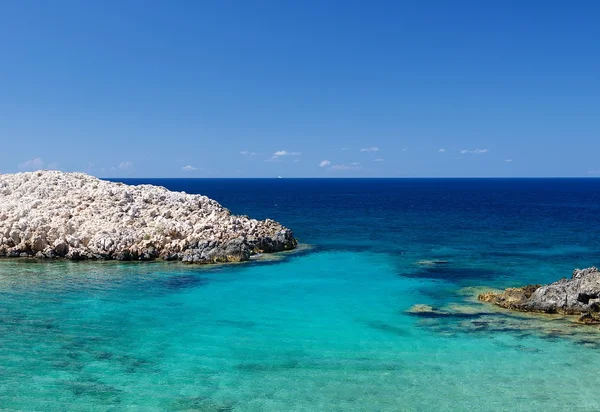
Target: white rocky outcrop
x=49, y=214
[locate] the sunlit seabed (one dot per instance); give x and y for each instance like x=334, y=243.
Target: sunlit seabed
x=318, y=331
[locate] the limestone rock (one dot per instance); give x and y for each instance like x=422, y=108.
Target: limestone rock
x=576, y=296
x=50, y=214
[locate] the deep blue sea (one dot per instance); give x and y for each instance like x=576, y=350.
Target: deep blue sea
x=324, y=328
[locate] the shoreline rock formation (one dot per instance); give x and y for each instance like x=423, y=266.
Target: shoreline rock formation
x=51, y=214
x=579, y=295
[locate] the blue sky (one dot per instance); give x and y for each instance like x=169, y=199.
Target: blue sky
x=300, y=88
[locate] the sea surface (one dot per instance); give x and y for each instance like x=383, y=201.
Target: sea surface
x=324, y=328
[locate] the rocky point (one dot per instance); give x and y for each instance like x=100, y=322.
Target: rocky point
x=51, y=214
x=579, y=295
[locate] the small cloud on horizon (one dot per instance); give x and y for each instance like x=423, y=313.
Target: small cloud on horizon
x=276, y=156
x=474, y=151
x=125, y=164
x=273, y=159
x=351, y=166
x=324, y=163
x=370, y=149
x=32, y=164
x=189, y=168
x=286, y=153
x=247, y=153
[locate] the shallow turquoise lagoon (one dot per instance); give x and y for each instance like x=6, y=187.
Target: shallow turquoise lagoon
x=326, y=328
x=320, y=331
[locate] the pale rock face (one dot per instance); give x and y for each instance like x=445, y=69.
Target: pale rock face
x=576, y=296
x=51, y=214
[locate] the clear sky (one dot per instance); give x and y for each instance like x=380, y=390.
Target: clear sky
x=300, y=88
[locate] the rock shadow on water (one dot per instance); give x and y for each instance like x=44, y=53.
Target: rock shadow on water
x=449, y=271
x=520, y=348
x=103, y=356
x=133, y=364
x=387, y=328
x=182, y=282
x=178, y=283
x=94, y=388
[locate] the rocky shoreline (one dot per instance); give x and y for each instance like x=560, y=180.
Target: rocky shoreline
x=51, y=214
x=578, y=296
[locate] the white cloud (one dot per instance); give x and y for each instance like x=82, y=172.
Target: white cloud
x=273, y=159
x=32, y=164
x=379, y=159
x=247, y=153
x=442, y=150
x=126, y=164
x=474, y=151
x=370, y=149
x=189, y=168
x=324, y=163
x=351, y=166
x=286, y=153
x=508, y=160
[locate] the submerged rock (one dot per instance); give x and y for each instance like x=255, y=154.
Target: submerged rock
x=579, y=295
x=450, y=311
x=51, y=214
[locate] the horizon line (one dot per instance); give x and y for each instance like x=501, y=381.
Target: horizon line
x=364, y=177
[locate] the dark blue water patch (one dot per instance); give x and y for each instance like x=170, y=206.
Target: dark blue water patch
x=387, y=328
x=540, y=254
x=182, y=282
x=453, y=273
x=441, y=294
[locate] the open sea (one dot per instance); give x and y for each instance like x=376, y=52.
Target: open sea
x=324, y=328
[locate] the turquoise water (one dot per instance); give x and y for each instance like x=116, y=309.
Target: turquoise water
x=323, y=329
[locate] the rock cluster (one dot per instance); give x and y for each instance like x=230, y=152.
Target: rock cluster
x=579, y=295
x=51, y=214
